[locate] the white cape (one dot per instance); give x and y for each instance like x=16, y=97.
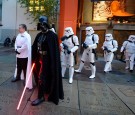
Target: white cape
x=30, y=85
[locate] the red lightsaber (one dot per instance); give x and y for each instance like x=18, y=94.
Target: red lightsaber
x=25, y=87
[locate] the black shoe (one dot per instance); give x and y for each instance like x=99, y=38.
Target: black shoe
x=15, y=79
x=29, y=90
x=37, y=101
x=131, y=71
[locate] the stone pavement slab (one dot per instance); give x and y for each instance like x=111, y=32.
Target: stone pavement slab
x=4, y=76
x=125, y=93
x=9, y=99
x=49, y=109
x=107, y=94
x=70, y=95
x=99, y=99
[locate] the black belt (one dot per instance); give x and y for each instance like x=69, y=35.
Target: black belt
x=18, y=46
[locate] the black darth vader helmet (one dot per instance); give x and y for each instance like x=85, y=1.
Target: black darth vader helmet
x=43, y=21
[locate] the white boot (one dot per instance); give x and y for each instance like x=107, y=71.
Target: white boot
x=110, y=68
x=107, y=66
x=71, y=73
x=63, y=70
x=80, y=67
x=127, y=64
x=93, y=71
x=131, y=65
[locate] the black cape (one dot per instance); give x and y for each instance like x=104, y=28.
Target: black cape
x=56, y=86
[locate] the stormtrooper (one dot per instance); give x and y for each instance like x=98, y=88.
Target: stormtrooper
x=109, y=46
x=69, y=46
x=128, y=48
x=89, y=45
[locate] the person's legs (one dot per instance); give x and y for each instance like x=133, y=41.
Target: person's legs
x=132, y=62
x=71, y=67
x=24, y=67
x=109, y=59
x=19, y=70
x=36, y=71
x=83, y=59
x=41, y=91
x=127, y=60
x=80, y=67
x=63, y=63
x=92, y=64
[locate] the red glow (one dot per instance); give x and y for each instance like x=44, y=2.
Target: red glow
x=25, y=87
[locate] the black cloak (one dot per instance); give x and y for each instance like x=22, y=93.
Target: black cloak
x=56, y=85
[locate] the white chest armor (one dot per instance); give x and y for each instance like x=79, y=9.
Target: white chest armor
x=130, y=47
x=109, y=44
x=69, y=42
x=89, y=40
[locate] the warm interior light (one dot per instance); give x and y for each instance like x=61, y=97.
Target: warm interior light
x=34, y=5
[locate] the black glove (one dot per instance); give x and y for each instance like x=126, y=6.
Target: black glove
x=85, y=46
x=65, y=46
x=16, y=52
x=108, y=51
x=105, y=48
x=68, y=51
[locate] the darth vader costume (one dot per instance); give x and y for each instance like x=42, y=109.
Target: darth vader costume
x=46, y=55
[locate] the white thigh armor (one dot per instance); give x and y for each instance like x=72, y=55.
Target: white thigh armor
x=88, y=56
x=67, y=59
x=108, y=56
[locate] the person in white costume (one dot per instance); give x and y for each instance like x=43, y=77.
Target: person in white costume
x=109, y=46
x=128, y=48
x=23, y=56
x=69, y=46
x=89, y=45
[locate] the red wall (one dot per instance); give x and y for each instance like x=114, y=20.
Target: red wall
x=68, y=15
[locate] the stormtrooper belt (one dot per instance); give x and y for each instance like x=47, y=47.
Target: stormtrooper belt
x=18, y=46
x=43, y=52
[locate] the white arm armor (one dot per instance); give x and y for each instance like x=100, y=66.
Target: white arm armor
x=61, y=45
x=123, y=46
x=74, y=49
x=75, y=39
x=93, y=46
x=96, y=40
x=103, y=46
x=115, y=43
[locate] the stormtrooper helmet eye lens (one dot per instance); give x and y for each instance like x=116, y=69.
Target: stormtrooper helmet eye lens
x=66, y=30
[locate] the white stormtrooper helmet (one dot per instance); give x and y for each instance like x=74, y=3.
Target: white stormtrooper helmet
x=68, y=31
x=89, y=30
x=108, y=37
x=131, y=38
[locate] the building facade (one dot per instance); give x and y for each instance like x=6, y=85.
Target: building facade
x=11, y=15
x=75, y=13
x=82, y=13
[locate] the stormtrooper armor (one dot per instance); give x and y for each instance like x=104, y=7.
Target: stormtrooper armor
x=109, y=46
x=128, y=48
x=89, y=45
x=69, y=46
